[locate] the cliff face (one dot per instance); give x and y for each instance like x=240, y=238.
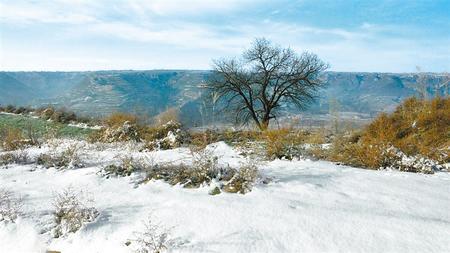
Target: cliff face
x=150, y=92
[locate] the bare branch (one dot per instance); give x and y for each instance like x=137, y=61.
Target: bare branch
x=265, y=77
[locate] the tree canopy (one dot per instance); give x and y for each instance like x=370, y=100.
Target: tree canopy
x=267, y=76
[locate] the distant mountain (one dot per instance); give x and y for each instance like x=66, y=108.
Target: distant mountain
x=150, y=92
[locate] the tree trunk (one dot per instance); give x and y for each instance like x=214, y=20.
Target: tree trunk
x=264, y=125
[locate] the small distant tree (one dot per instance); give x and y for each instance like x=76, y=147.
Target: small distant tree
x=266, y=77
x=171, y=114
x=334, y=108
x=445, y=82
x=421, y=83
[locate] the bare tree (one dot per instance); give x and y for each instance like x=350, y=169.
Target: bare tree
x=265, y=78
x=445, y=82
x=421, y=83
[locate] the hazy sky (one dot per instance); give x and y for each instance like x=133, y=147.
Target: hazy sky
x=384, y=35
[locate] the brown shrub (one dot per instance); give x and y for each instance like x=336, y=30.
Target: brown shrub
x=242, y=180
x=117, y=119
x=283, y=143
x=12, y=139
x=18, y=157
x=417, y=128
x=118, y=127
x=67, y=159
x=126, y=167
x=167, y=136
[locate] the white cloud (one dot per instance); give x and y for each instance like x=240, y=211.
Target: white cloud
x=169, y=7
x=30, y=13
x=157, y=24
x=183, y=35
x=84, y=11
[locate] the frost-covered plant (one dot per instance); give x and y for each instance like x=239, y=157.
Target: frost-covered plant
x=127, y=165
x=10, y=206
x=403, y=162
x=18, y=157
x=118, y=127
x=203, y=170
x=243, y=179
x=72, y=209
x=154, y=238
x=166, y=136
x=67, y=159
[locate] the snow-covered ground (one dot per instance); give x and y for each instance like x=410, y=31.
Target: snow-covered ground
x=310, y=206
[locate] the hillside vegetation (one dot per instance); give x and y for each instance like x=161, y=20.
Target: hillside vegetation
x=415, y=137
x=41, y=127
x=100, y=93
x=417, y=128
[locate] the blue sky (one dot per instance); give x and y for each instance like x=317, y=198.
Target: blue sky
x=382, y=36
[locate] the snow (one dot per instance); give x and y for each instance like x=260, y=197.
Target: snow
x=84, y=126
x=310, y=206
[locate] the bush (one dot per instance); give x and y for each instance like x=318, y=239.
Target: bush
x=12, y=139
x=10, y=108
x=22, y=110
x=203, y=170
x=242, y=180
x=46, y=113
x=63, y=116
x=10, y=206
x=417, y=130
x=154, y=238
x=67, y=159
x=283, y=143
x=117, y=119
x=118, y=127
x=166, y=136
x=20, y=157
x=117, y=133
x=72, y=210
x=127, y=166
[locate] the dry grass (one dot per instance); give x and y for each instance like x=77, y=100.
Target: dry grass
x=72, y=209
x=10, y=206
x=242, y=180
x=17, y=157
x=68, y=159
x=126, y=166
x=12, y=139
x=118, y=127
x=153, y=238
x=117, y=119
x=287, y=143
x=416, y=128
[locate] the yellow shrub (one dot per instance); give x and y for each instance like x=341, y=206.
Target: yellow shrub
x=12, y=139
x=416, y=127
x=282, y=143
x=118, y=118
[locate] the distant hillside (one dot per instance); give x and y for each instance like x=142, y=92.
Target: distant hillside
x=150, y=92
